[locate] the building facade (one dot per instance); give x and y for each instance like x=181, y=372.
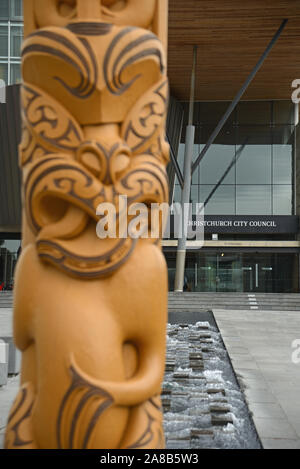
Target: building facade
x=11, y=35
x=248, y=180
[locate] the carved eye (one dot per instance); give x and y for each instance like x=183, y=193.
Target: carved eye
x=91, y=161
x=66, y=8
x=114, y=5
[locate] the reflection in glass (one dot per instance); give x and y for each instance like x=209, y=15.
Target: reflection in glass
x=282, y=154
x=215, y=163
x=177, y=193
x=3, y=41
x=220, y=202
x=15, y=73
x=253, y=200
x=251, y=151
x=4, y=72
x=282, y=200
x=4, y=9
x=16, y=9
x=254, y=166
x=255, y=162
x=16, y=37
x=194, y=196
x=180, y=157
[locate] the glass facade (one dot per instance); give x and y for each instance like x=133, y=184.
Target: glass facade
x=256, y=272
x=248, y=169
x=11, y=36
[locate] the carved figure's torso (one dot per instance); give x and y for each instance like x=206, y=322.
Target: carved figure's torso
x=90, y=313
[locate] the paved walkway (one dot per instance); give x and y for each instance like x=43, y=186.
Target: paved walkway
x=7, y=396
x=8, y=392
x=259, y=344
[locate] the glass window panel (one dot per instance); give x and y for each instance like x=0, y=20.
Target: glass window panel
x=211, y=112
x=196, y=150
x=194, y=196
x=180, y=156
x=16, y=9
x=283, y=133
x=282, y=200
x=4, y=72
x=254, y=112
x=253, y=200
x=3, y=41
x=253, y=164
x=15, y=74
x=221, y=202
x=16, y=38
x=177, y=193
x=283, y=112
x=219, y=161
x=4, y=9
x=282, y=154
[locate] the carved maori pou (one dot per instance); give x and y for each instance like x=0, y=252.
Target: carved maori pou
x=90, y=313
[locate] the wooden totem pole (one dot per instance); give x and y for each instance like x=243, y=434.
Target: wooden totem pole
x=90, y=313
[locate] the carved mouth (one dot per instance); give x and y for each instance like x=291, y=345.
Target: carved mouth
x=88, y=28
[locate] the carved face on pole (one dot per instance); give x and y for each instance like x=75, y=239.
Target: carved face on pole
x=94, y=108
x=138, y=13
x=90, y=313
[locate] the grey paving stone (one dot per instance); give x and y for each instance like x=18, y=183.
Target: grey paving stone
x=259, y=396
x=267, y=410
x=239, y=363
x=277, y=443
x=253, y=384
x=272, y=391
x=237, y=350
x=274, y=428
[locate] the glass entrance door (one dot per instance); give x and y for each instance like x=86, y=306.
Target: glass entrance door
x=264, y=276
x=219, y=272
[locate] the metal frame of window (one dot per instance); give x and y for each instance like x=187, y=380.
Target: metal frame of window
x=12, y=5
x=237, y=145
x=10, y=59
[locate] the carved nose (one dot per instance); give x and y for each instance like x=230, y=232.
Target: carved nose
x=89, y=9
x=118, y=165
x=107, y=165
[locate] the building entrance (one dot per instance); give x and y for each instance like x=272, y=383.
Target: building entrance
x=238, y=272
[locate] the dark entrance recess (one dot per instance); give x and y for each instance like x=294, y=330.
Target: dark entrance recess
x=258, y=272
